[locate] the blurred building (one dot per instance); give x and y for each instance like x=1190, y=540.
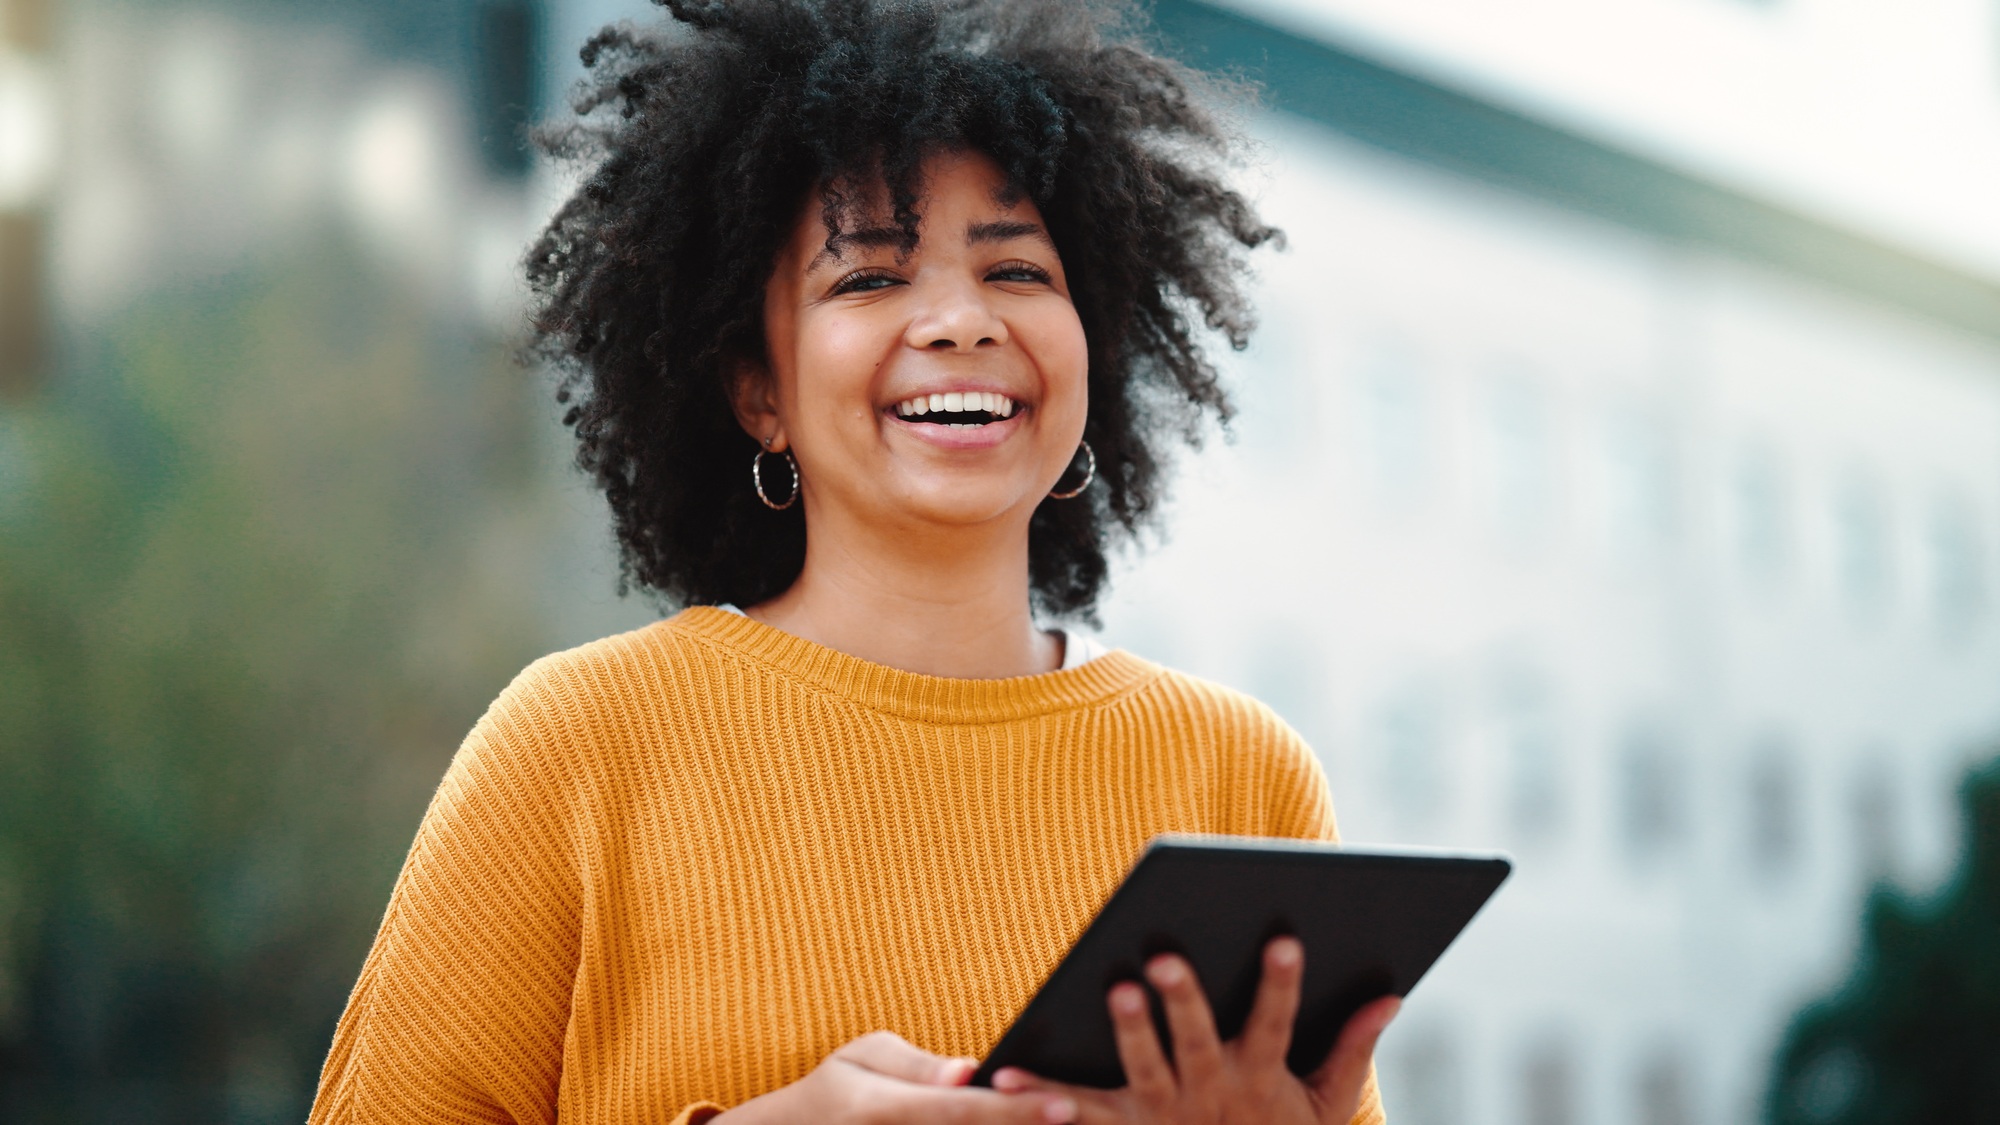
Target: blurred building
x=197, y=138
x=191, y=144
x=1618, y=483
x=279, y=514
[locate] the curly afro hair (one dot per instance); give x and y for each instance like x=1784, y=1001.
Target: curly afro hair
x=702, y=139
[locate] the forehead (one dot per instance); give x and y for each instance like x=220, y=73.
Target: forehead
x=957, y=192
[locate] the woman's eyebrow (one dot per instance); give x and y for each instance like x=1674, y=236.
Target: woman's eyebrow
x=868, y=238
x=1004, y=230
x=871, y=238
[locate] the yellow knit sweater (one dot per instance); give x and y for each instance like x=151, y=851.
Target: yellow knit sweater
x=674, y=869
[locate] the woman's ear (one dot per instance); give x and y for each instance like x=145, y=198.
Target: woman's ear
x=753, y=395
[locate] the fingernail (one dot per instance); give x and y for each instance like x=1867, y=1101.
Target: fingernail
x=1059, y=1111
x=1006, y=1079
x=1285, y=952
x=954, y=1072
x=1128, y=999
x=1166, y=970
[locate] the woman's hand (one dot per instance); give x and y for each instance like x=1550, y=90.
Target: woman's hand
x=882, y=1079
x=1215, y=1083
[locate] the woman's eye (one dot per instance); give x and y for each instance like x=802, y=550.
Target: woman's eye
x=1019, y=271
x=864, y=282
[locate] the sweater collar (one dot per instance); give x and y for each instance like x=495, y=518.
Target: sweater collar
x=913, y=695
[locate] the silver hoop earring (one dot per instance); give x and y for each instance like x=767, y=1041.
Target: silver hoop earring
x=1089, y=474
x=757, y=479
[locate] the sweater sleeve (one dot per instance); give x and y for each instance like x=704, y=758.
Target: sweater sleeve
x=462, y=1011
x=463, y=1003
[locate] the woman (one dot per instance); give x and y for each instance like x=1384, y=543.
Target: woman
x=876, y=320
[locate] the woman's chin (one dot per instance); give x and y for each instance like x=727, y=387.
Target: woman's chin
x=958, y=502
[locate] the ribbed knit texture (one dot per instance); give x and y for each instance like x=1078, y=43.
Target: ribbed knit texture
x=674, y=869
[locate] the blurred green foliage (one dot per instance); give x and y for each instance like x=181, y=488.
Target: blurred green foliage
x=1913, y=1038
x=261, y=565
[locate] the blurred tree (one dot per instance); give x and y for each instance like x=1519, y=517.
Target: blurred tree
x=1913, y=1038
x=264, y=553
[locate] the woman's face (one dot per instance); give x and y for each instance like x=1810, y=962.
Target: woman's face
x=942, y=386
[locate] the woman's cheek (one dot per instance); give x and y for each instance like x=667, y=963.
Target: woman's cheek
x=842, y=349
x=1065, y=363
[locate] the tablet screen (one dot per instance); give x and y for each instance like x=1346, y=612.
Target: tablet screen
x=1372, y=922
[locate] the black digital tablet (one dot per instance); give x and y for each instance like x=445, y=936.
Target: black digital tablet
x=1372, y=922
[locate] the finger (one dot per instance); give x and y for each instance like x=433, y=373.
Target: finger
x=1197, y=1048
x=888, y=1053
x=1092, y=1105
x=987, y=1107
x=1146, y=1071
x=1339, y=1081
x=1267, y=1034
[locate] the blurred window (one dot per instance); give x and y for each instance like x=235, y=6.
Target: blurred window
x=1548, y=1086
x=1957, y=567
x=1861, y=542
x=1760, y=510
x=1774, y=806
x=1664, y=1093
x=1521, y=476
x=1531, y=749
x=1396, y=438
x=1278, y=392
x=1409, y=739
x=1424, y=1074
x=1649, y=771
x=1640, y=505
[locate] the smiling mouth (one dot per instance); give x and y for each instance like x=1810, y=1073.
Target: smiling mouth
x=957, y=409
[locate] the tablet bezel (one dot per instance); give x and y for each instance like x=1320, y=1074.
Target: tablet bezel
x=1132, y=925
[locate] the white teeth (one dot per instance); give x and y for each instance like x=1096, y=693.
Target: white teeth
x=998, y=405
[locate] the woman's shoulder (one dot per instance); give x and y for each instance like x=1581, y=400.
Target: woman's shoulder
x=1219, y=710
x=595, y=694
x=1273, y=780
x=612, y=664
x=597, y=663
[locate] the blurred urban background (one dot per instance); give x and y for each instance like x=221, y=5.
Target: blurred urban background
x=1618, y=482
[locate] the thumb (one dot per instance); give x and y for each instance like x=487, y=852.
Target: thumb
x=1339, y=1081
x=887, y=1053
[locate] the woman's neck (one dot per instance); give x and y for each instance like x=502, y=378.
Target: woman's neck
x=941, y=605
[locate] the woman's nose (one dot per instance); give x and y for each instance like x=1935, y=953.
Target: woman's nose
x=955, y=317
